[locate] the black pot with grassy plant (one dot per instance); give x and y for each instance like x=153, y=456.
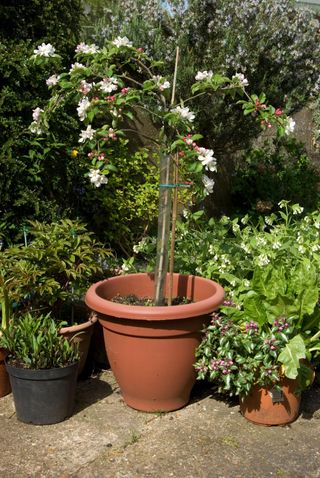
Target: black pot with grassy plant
x=42, y=366
x=50, y=273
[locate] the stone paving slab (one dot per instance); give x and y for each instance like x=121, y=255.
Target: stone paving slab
x=207, y=439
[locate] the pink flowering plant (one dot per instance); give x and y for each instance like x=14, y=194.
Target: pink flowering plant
x=267, y=334
x=237, y=357
x=109, y=89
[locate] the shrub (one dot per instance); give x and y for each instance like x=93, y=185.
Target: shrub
x=278, y=170
x=27, y=187
x=275, y=44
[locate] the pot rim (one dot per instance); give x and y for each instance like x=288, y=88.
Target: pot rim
x=79, y=327
x=157, y=313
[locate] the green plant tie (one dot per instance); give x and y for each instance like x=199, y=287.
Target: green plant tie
x=178, y=185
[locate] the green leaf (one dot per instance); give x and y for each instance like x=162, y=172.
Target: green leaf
x=254, y=308
x=290, y=356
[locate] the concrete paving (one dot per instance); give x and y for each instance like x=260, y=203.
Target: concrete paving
x=207, y=439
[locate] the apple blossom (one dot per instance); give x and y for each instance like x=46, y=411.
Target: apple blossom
x=290, y=126
x=107, y=85
x=240, y=78
x=184, y=112
x=87, y=134
x=52, y=80
x=208, y=184
x=122, y=41
x=203, y=75
x=83, y=105
x=45, y=49
x=76, y=66
x=87, y=49
x=97, y=178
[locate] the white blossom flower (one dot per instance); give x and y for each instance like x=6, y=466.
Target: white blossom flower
x=85, y=87
x=107, y=85
x=45, y=49
x=317, y=224
x=36, y=113
x=203, y=75
x=185, y=113
x=297, y=209
x=125, y=267
x=122, y=41
x=276, y=245
x=315, y=248
x=261, y=241
x=83, y=106
x=206, y=158
x=161, y=82
x=52, y=80
x=241, y=79
x=165, y=85
x=76, y=66
x=301, y=249
x=208, y=184
x=87, y=134
x=88, y=49
x=97, y=178
x=35, y=128
x=268, y=220
x=263, y=260
x=245, y=247
x=290, y=126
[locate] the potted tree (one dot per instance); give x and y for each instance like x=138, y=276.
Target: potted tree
x=261, y=349
x=42, y=366
x=109, y=86
x=51, y=273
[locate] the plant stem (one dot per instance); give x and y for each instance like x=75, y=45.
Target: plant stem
x=163, y=229
x=164, y=213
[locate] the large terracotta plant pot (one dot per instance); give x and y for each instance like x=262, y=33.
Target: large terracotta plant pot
x=81, y=334
x=151, y=350
x=267, y=406
x=5, y=387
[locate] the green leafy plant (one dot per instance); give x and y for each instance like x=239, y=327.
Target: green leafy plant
x=238, y=356
x=56, y=267
x=34, y=342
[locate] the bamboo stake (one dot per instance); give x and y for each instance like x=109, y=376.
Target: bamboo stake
x=173, y=227
x=164, y=213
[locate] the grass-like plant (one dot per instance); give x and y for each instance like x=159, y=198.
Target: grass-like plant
x=34, y=342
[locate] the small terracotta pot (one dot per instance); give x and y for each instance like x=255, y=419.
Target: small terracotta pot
x=267, y=406
x=81, y=334
x=151, y=350
x=5, y=386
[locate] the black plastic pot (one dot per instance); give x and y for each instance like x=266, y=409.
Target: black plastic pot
x=43, y=397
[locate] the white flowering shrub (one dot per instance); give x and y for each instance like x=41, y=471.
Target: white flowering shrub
x=231, y=250
x=271, y=42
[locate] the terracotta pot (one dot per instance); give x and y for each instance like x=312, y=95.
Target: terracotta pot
x=151, y=350
x=81, y=334
x=267, y=406
x=5, y=386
